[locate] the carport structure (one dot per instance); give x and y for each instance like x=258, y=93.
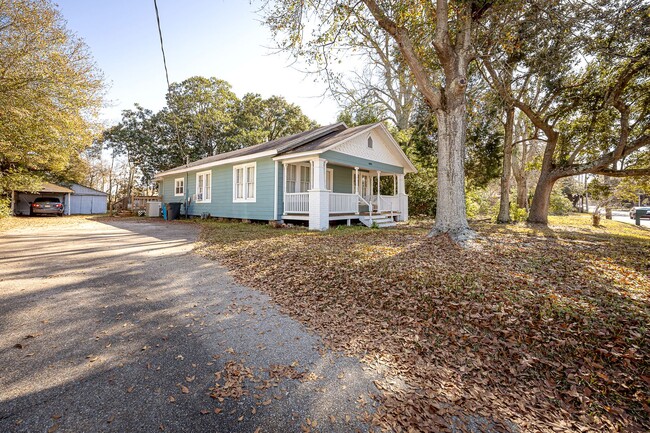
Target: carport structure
x=21, y=200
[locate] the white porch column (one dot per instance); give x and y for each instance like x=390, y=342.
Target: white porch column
x=319, y=197
x=378, y=191
x=68, y=205
x=356, y=186
x=284, y=187
x=403, y=199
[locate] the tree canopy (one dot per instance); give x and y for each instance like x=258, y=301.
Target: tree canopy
x=50, y=93
x=203, y=117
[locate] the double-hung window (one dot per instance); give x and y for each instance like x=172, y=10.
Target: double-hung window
x=305, y=178
x=179, y=187
x=329, y=180
x=204, y=187
x=291, y=178
x=243, y=179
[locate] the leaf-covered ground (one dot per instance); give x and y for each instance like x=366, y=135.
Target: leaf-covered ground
x=546, y=329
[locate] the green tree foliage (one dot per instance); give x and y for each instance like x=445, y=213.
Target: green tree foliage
x=201, y=111
x=581, y=77
x=50, y=91
x=257, y=120
x=203, y=118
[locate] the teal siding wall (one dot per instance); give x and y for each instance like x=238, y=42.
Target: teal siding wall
x=222, y=204
x=342, y=178
x=336, y=157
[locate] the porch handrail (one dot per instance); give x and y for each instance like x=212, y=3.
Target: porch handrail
x=296, y=202
x=368, y=204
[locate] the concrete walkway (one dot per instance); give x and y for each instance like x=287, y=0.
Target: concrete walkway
x=118, y=327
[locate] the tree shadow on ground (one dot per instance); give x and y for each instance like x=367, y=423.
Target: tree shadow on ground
x=93, y=340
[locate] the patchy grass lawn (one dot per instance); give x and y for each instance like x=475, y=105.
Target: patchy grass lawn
x=547, y=328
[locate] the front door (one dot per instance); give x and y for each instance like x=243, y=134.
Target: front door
x=365, y=186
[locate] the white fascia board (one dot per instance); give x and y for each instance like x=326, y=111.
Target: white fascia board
x=250, y=157
x=298, y=156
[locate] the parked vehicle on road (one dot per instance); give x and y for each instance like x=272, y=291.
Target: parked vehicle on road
x=46, y=206
x=642, y=208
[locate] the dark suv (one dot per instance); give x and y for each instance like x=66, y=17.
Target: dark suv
x=46, y=206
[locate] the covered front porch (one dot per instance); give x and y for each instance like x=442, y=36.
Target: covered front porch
x=319, y=191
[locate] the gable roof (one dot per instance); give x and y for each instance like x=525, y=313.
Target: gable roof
x=315, y=140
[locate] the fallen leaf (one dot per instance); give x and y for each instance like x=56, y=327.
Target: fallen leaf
x=184, y=389
x=52, y=429
x=190, y=378
x=204, y=411
x=218, y=410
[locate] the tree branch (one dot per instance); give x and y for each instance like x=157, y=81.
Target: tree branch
x=432, y=94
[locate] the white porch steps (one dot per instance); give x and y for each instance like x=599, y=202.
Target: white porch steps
x=381, y=221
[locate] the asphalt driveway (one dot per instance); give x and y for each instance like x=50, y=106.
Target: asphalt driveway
x=118, y=326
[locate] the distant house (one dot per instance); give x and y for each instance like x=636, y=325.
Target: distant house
x=326, y=174
x=77, y=199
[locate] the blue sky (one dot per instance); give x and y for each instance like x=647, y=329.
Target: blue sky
x=222, y=38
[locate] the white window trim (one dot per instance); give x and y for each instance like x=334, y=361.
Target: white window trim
x=299, y=179
x=203, y=173
x=244, y=167
x=182, y=193
x=330, y=176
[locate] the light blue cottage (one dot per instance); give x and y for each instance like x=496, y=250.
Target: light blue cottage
x=326, y=174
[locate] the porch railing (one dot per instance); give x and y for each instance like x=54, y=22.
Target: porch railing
x=344, y=203
x=340, y=203
x=296, y=202
x=388, y=203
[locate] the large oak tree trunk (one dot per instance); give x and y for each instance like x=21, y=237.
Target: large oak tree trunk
x=451, y=217
x=541, y=199
x=504, y=205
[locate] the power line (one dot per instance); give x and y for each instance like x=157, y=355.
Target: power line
x=162, y=46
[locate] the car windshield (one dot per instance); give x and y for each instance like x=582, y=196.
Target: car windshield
x=47, y=199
